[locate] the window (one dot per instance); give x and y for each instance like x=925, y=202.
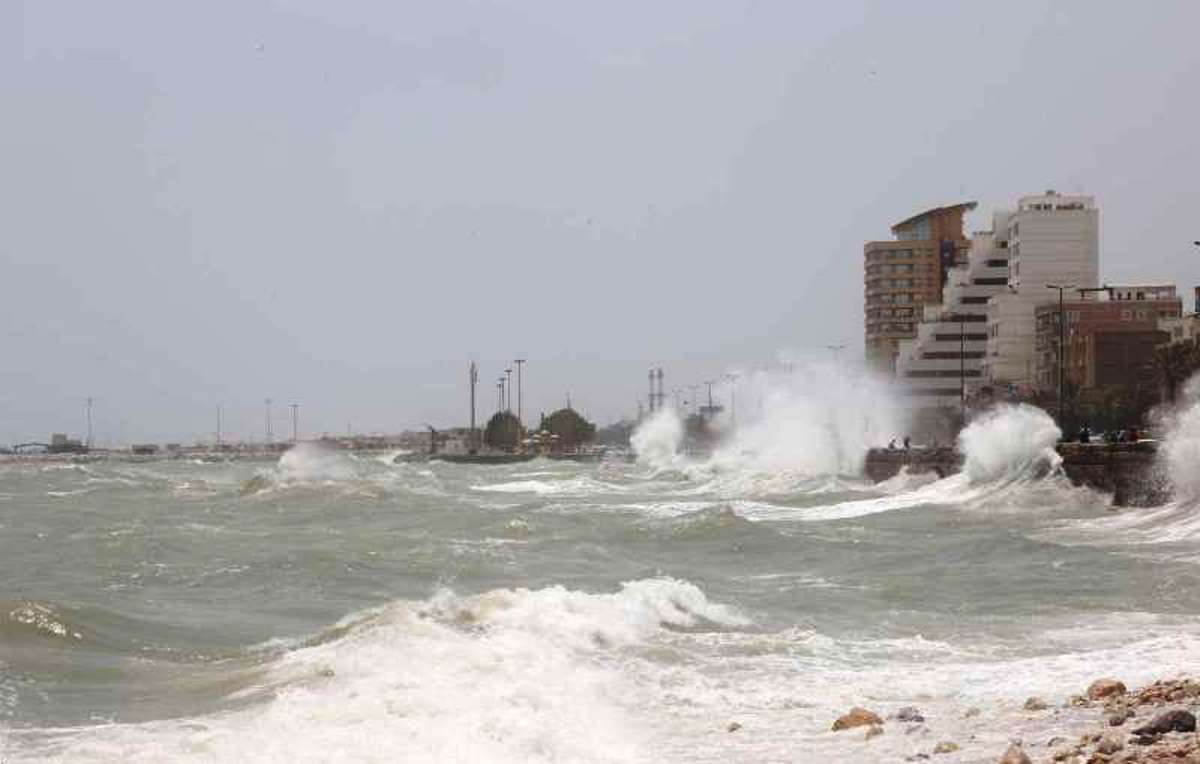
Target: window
x=979, y=300
x=943, y=355
x=994, y=263
x=969, y=337
x=991, y=281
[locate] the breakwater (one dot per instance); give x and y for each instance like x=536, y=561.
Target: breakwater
x=1131, y=472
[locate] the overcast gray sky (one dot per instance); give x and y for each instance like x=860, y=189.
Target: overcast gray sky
x=341, y=203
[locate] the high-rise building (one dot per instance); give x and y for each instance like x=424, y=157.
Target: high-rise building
x=946, y=357
x=903, y=275
x=1052, y=240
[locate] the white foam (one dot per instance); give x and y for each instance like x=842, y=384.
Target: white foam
x=509, y=675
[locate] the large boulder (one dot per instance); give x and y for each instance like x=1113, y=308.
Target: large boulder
x=857, y=717
x=1103, y=688
x=1170, y=721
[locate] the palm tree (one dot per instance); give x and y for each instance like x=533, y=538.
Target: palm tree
x=1173, y=364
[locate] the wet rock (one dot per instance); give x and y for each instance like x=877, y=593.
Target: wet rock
x=733, y=727
x=1109, y=744
x=873, y=731
x=971, y=713
x=858, y=717
x=909, y=714
x=945, y=747
x=1171, y=721
x=1036, y=704
x=917, y=757
x=1103, y=688
x=1145, y=739
x=1014, y=755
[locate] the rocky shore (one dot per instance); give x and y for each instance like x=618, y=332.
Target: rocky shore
x=1156, y=723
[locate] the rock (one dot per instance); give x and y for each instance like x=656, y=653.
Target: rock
x=1103, y=688
x=1109, y=744
x=909, y=714
x=945, y=747
x=1014, y=755
x=733, y=727
x=1036, y=704
x=971, y=713
x=920, y=729
x=1146, y=739
x=873, y=731
x=1116, y=720
x=858, y=717
x=1171, y=721
x=917, y=757
x=1055, y=741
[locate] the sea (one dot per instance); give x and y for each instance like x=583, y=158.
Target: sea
x=342, y=607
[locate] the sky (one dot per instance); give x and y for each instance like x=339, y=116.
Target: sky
x=340, y=205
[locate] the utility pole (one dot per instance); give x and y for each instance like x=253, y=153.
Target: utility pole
x=295, y=422
x=270, y=434
x=733, y=378
x=89, y=422
x=218, y=426
x=508, y=389
x=519, y=362
x=1062, y=343
x=499, y=394
x=473, y=375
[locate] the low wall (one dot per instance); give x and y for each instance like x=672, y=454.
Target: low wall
x=1129, y=471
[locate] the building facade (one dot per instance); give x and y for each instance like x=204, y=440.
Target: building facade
x=945, y=358
x=1052, y=239
x=903, y=275
x=1109, y=342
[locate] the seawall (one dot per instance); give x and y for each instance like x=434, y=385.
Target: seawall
x=1129, y=471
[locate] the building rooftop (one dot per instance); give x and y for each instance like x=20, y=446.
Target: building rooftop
x=962, y=206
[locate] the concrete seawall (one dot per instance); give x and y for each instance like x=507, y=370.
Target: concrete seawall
x=1129, y=471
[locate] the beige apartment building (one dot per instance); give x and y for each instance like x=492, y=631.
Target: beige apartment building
x=903, y=275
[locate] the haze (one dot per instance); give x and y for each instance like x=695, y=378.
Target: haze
x=341, y=204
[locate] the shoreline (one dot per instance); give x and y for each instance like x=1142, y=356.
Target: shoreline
x=1105, y=724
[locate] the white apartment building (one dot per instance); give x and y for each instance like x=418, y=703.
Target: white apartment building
x=1051, y=239
x=946, y=357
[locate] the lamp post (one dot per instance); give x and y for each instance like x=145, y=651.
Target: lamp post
x=837, y=352
x=733, y=378
x=508, y=389
x=519, y=362
x=1062, y=340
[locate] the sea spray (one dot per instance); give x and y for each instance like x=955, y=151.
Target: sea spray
x=819, y=419
x=314, y=462
x=1008, y=441
x=1181, y=452
x=657, y=440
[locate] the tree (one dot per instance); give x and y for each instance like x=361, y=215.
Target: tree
x=572, y=429
x=1173, y=364
x=503, y=431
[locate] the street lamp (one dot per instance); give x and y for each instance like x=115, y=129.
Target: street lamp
x=837, y=351
x=733, y=378
x=519, y=362
x=1062, y=341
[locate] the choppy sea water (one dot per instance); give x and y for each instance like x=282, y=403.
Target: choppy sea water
x=339, y=608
